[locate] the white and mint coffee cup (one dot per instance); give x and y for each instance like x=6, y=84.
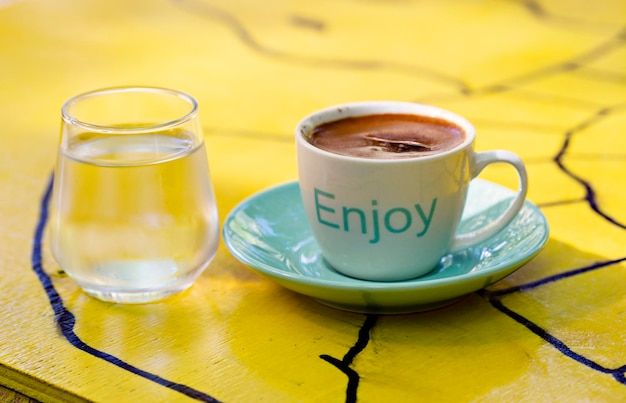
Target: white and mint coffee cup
x=394, y=219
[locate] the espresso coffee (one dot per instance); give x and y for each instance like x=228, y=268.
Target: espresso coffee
x=387, y=136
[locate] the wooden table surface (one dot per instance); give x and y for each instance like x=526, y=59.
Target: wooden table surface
x=543, y=78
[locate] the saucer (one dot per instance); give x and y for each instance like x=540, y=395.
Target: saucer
x=269, y=232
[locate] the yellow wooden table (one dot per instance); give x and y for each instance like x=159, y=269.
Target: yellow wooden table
x=543, y=78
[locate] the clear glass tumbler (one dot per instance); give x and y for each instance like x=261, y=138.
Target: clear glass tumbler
x=133, y=215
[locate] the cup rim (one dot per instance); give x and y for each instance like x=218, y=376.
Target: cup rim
x=364, y=108
x=72, y=120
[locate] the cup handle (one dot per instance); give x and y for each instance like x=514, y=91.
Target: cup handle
x=481, y=160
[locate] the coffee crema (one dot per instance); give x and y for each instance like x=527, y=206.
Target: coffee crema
x=387, y=136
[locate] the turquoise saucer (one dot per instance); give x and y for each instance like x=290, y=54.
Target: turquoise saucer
x=269, y=232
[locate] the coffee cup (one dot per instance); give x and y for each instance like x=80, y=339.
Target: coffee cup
x=384, y=185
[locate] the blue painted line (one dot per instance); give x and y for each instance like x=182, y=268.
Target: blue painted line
x=66, y=319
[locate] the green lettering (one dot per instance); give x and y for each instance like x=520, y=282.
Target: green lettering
x=320, y=207
x=426, y=220
x=346, y=222
x=407, y=220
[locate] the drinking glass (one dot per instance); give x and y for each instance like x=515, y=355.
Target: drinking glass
x=133, y=215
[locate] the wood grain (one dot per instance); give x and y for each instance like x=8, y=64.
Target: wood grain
x=540, y=78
